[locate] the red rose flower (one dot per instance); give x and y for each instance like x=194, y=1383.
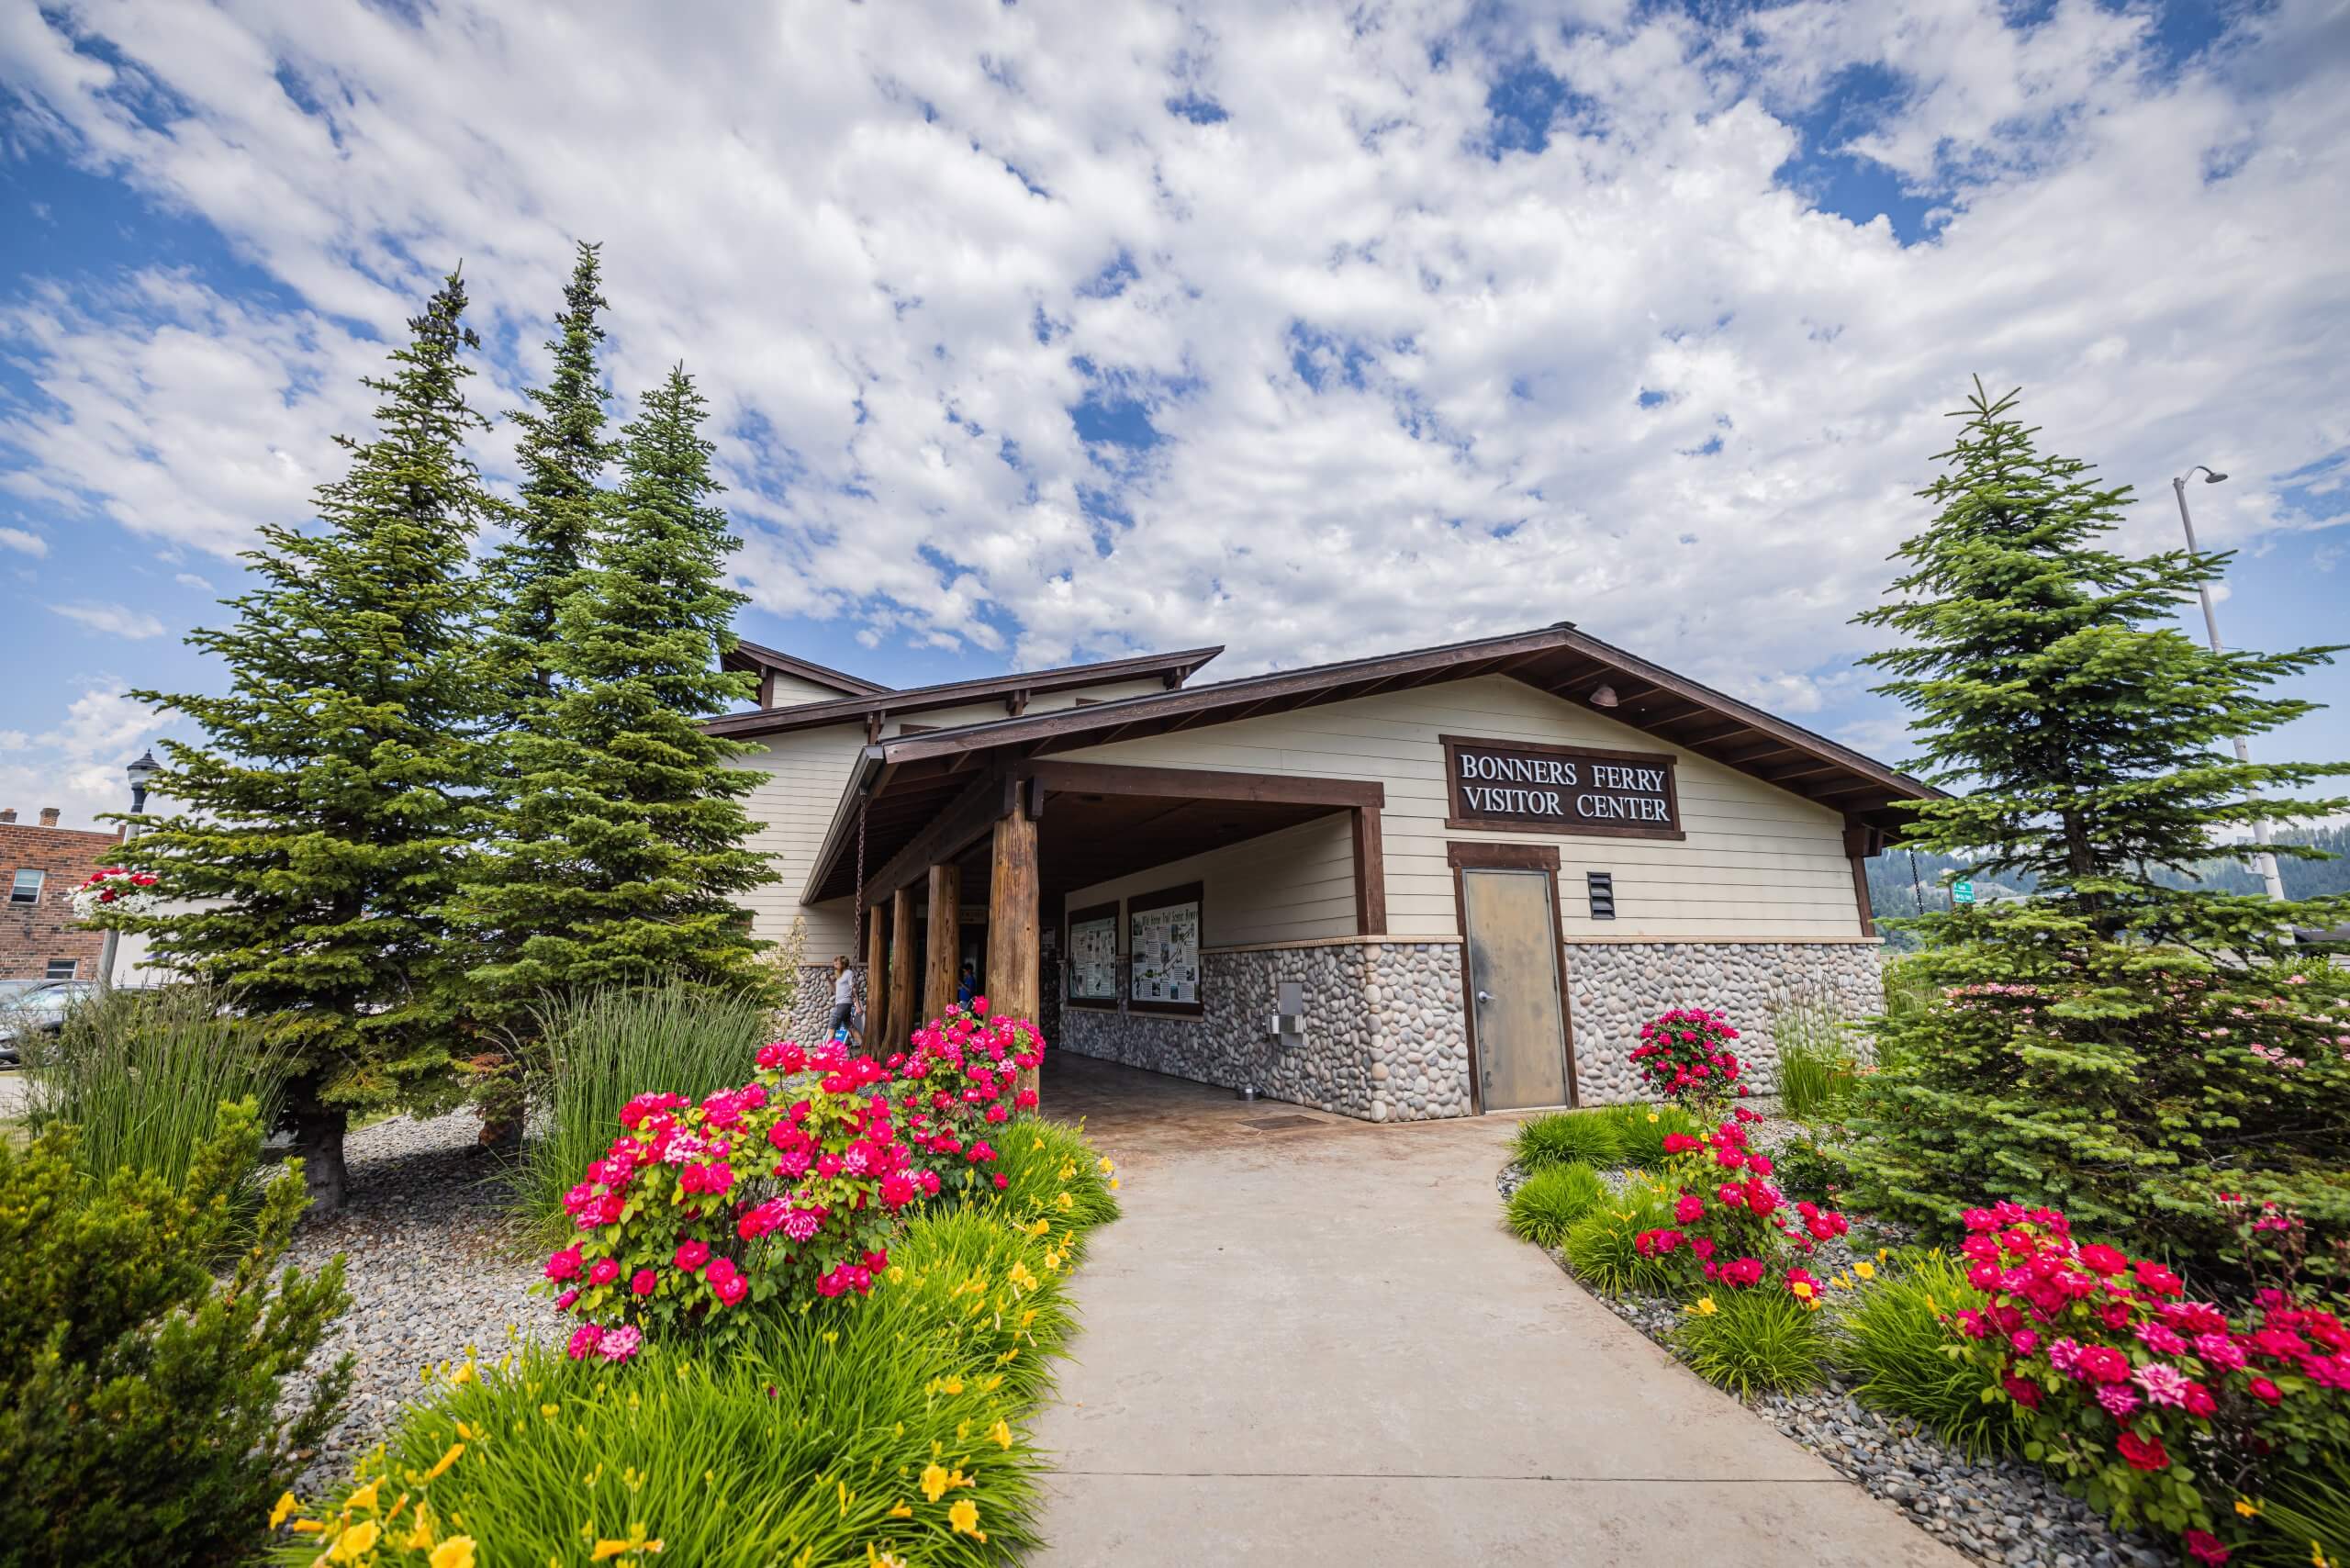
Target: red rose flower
x=2265, y=1391
x=2143, y=1453
x=2024, y=1393
x=2103, y=1258
x=2205, y=1547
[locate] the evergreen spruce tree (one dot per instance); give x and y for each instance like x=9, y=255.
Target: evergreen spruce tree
x=2123, y=1048
x=563, y=507
x=318, y=824
x=620, y=854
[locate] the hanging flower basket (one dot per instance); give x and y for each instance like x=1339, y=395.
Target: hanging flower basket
x=106, y=896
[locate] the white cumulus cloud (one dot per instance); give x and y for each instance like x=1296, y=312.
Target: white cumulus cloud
x=114, y=619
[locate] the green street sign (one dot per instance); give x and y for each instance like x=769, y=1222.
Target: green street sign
x=1962, y=893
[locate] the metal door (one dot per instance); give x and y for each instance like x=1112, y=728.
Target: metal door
x=1513, y=955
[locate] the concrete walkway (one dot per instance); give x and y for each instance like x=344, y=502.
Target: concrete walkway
x=1313, y=1343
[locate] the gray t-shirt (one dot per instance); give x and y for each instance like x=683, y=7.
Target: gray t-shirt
x=843, y=986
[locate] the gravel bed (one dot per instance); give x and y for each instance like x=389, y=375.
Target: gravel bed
x=433, y=1265
x=2000, y=1511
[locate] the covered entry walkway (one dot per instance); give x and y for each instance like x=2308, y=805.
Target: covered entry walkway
x=1310, y=1342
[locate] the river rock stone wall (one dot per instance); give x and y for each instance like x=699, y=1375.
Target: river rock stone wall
x=812, y=1004
x=1383, y=1037
x=1615, y=987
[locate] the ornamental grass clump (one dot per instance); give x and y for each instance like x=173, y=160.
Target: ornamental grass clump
x=1644, y=1129
x=600, y=1049
x=1561, y=1137
x=142, y=1076
x=1549, y=1202
x=1897, y=1347
x=1050, y=1172
x=1754, y=1342
x=1602, y=1248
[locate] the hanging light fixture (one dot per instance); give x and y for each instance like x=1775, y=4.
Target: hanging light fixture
x=1603, y=697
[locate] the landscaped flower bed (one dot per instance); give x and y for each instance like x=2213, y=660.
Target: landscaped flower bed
x=837, y=1355
x=1964, y=1387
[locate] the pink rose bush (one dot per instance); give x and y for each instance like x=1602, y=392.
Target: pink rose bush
x=2147, y=1401
x=1731, y=1225
x=790, y=1186
x=1685, y=1057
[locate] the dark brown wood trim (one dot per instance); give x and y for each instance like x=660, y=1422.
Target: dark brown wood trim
x=768, y=661
x=1456, y=819
x=1509, y=858
x=1204, y=784
x=1501, y=858
x=1069, y=918
x=952, y=694
x=1861, y=841
x=961, y=824
x=1142, y=904
x=1371, y=874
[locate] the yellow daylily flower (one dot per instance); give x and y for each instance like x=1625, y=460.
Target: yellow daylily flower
x=1865, y=1269
x=363, y=1500
x=457, y=1552
x=441, y=1466
x=1703, y=1306
x=2246, y=1506
x=2318, y=1559
x=935, y=1480
x=284, y=1505
x=356, y=1542
x=1069, y=1169
x=1064, y=1201
x=634, y=1543
x=964, y=1517
x=950, y=1385
x=903, y=1511
x=308, y=1527
x=1803, y=1291
x=1001, y=1434
x=1108, y=1165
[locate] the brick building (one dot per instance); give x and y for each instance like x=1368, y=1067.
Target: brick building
x=41, y=865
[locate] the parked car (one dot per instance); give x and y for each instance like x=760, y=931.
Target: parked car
x=36, y=1006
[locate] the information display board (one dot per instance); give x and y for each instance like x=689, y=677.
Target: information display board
x=1093, y=957
x=1163, y=940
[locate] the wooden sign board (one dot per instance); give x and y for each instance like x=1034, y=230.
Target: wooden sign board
x=1522, y=787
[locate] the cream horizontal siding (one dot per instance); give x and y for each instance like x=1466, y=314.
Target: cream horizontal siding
x=1758, y=861
x=785, y=690
x=807, y=771
x=1295, y=885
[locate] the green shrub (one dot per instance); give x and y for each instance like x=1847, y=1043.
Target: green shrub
x=1760, y=1341
x=1643, y=1129
x=142, y=1076
x=1599, y=1247
x=1551, y=1200
x=1893, y=1347
x=810, y=1444
x=139, y=1394
x=598, y=1050
x=1561, y=1137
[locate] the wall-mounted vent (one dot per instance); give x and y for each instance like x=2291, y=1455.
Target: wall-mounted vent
x=1602, y=894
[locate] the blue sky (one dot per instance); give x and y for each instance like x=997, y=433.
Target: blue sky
x=1048, y=331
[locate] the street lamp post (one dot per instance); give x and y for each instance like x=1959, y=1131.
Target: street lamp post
x=2264, y=862
x=138, y=773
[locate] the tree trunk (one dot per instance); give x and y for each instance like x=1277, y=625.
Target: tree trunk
x=317, y=1143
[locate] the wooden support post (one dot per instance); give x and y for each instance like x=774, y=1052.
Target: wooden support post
x=902, y=973
x=1013, y=953
x=1371, y=874
x=876, y=976
x=1859, y=843
x=945, y=940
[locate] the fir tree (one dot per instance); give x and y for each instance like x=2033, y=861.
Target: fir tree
x=2095, y=1046
x=620, y=854
x=563, y=507
x=319, y=822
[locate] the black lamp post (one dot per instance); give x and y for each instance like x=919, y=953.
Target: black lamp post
x=138, y=773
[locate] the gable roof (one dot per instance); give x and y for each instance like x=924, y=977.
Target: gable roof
x=752, y=656
x=877, y=702
x=919, y=775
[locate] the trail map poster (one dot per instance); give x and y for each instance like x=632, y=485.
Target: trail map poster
x=1163, y=940
x=1093, y=954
